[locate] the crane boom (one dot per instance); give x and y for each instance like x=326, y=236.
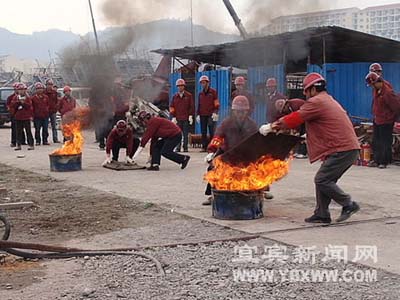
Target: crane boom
x=236, y=19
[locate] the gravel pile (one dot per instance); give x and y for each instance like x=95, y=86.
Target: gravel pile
x=206, y=272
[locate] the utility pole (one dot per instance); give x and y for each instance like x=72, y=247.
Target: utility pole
x=94, y=28
x=191, y=23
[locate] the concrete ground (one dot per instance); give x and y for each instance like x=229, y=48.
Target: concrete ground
x=377, y=191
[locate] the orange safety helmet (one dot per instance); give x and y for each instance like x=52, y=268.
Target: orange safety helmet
x=375, y=67
x=372, y=78
x=180, y=82
x=204, y=78
x=67, y=89
x=240, y=80
x=240, y=103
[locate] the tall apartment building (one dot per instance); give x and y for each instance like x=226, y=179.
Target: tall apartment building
x=378, y=20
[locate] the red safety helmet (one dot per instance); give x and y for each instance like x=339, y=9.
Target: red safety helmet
x=21, y=86
x=180, y=82
x=280, y=104
x=144, y=115
x=240, y=80
x=67, y=88
x=240, y=103
x=372, y=78
x=204, y=78
x=39, y=85
x=49, y=81
x=375, y=67
x=313, y=79
x=15, y=85
x=271, y=82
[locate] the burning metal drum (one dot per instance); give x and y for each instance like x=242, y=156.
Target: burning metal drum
x=65, y=163
x=235, y=205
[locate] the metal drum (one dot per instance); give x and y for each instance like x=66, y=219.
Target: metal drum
x=65, y=163
x=235, y=205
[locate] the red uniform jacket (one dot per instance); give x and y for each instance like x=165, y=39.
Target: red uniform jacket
x=272, y=113
x=329, y=129
x=126, y=139
x=231, y=132
x=21, y=110
x=208, y=102
x=248, y=96
x=182, y=107
x=40, y=105
x=9, y=99
x=53, y=101
x=159, y=128
x=385, y=105
x=66, y=105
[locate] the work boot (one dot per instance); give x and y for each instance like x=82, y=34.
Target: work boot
x=317, y=219
x=372, y=164
x=12, y=145
x=185, y=150
x=268, y=196
x=208, y=201
x=56, y=142
x=37, y=144
x=18, y=148
x=46, y=144
x=153, y=168
x=347, y=211
x=185, y=162
x=31, y=148
x=382, y=166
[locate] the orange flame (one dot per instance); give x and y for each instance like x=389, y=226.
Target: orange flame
x=255, y=176
x=73, y=145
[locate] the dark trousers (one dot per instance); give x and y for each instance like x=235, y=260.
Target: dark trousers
x=184, y=126
x=41, y=125
x=14, y=133
x=206, y=122
x=117, y=146
x=301, y=148
x=382, y=143
x=165, y=147
x=103, y=131
x=22, y=126
x=326, y=179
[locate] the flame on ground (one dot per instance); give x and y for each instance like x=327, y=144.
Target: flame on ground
x=255, y=176
x=73, y=133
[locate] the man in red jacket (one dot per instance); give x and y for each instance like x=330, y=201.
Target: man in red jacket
x=272, y=96
x=385, y=110
x=121, y=136
x=165, y=136
x=207, y=110
x=240, y=85
x=13, y=124
x=182, y=111
x=67, y=103
x=21, y=109
x=40, y=103
x=232, y=131
x=51, y=93
x=330, y=138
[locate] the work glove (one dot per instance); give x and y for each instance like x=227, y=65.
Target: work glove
x=108, y=160
x=190, y=120
x=215, y=117
x=198, y=119
x=209, y=157
x=265, y=129
x=174, y=121
x=137, y=153
x=128, y=114
x=129, y=160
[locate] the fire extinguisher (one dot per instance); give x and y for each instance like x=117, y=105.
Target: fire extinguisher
x=365, y=153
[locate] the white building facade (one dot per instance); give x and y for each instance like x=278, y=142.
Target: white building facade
x=377, y=20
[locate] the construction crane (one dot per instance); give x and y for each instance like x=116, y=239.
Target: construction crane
x=236, y=19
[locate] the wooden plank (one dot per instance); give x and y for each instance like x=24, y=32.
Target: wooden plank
x=16, y=205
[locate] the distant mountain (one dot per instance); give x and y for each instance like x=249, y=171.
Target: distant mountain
x=147, y=36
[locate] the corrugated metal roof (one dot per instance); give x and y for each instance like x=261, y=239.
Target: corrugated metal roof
x=341, y=46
